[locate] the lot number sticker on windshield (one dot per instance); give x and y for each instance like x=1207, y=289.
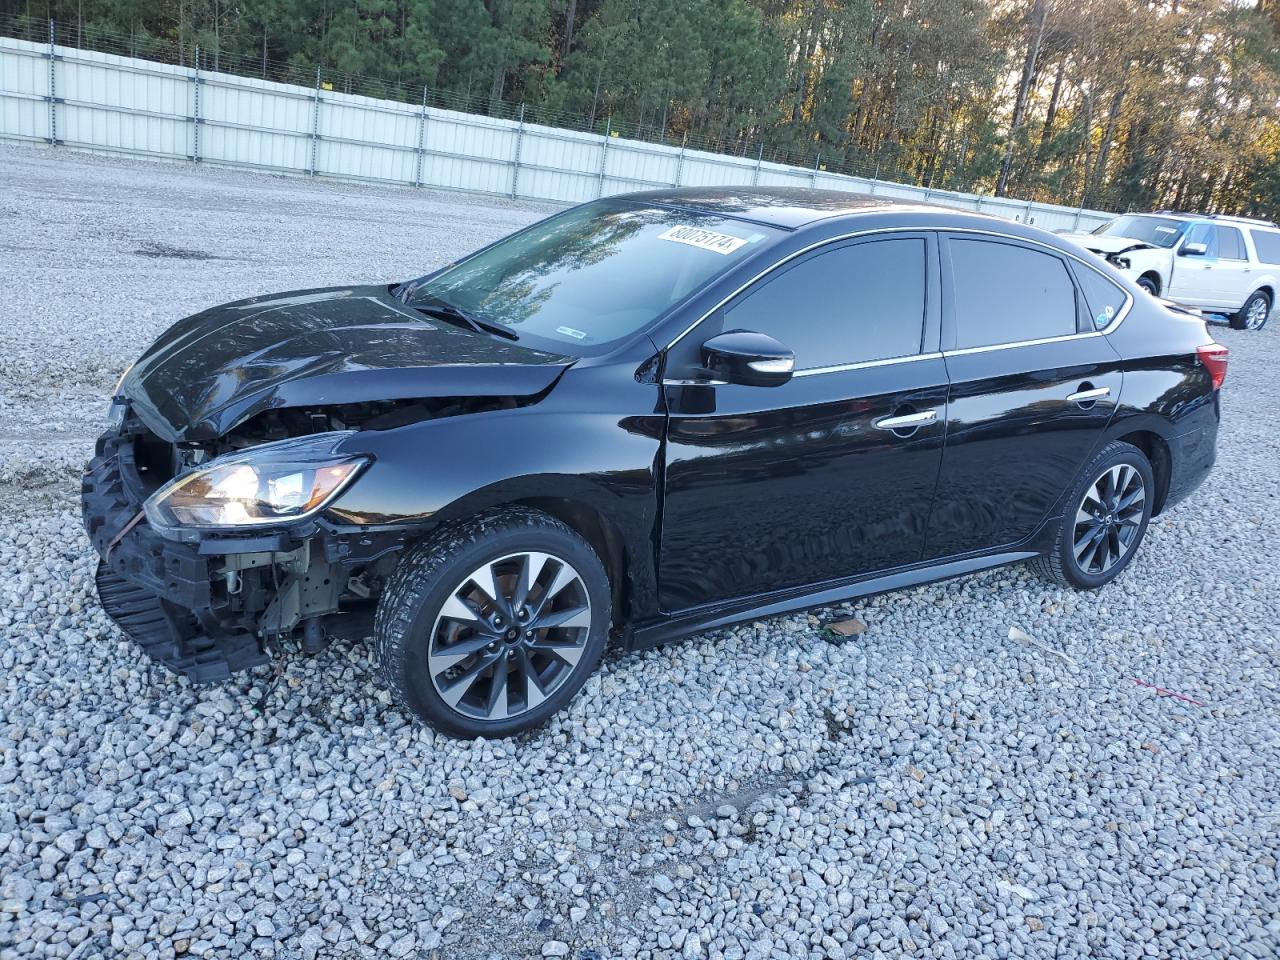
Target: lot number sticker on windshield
x=705, y=239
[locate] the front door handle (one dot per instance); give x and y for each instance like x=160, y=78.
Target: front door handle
x=1089, y=396
x=908, y=421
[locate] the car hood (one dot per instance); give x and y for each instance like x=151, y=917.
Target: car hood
x=1107, y=244
x=218, y=368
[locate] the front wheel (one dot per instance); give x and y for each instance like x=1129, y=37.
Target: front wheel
x=1106, y=517
x=1149, y=284
x=493, y=624
x=1254, y=314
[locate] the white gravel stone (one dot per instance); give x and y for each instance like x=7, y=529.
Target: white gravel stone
x=894, y=795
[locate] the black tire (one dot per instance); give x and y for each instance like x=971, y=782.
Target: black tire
x=1245, y=317
x=411, y=613
x=1150, y=284
x=1060, y=565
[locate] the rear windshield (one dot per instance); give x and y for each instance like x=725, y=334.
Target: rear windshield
x=1267, y=243
x=1157, y=231
x=594, y=274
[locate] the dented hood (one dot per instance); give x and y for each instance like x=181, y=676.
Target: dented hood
x=218, y=368
x=1107, y=244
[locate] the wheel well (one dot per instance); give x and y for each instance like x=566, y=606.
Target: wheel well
x=604, y=538
x=1154, y=276
x=1157, y=451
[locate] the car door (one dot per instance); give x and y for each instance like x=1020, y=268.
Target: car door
x=1034, y=383
x=775, y=487
x=1192, y=279
x=1233, y=275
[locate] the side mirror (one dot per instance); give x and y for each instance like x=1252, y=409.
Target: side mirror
x=750, y=359
x=1193, y=250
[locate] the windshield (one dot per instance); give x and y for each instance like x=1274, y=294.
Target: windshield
x=593, y=274
x=1157, y=231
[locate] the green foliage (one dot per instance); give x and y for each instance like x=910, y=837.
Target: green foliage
x=1127, y=103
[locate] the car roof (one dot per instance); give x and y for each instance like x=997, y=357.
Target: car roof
x=784, y=207
x=1226, y=218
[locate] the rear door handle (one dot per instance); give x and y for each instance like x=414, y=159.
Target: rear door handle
x=1088, y=396
x=908, y=421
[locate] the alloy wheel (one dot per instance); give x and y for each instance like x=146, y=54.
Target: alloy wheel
x=1108, y=519
x=1256, y=315
x=509, y=635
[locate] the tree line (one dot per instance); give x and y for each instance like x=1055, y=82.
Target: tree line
x=1121, y=104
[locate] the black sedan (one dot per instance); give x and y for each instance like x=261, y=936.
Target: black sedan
x=643, y=417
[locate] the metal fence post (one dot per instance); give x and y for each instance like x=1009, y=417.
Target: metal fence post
x=604, y=156
x=515, y=170
x=1075, y=227
x=755, y=175
x=680, y=160
x=978, y=208
x=53, y=87
x=315, y=126
x=195, y=118
x=1026, y=217
x=422, y=139
x=813, y=174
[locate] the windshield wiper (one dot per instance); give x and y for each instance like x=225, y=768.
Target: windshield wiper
x=447, y=311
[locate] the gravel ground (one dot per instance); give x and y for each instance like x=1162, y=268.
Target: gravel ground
x=930, y=788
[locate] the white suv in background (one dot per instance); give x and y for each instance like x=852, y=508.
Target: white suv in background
x=1211, y=262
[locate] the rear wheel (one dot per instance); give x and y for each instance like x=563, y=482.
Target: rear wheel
x=494, y=624
x=1254, y=314
x=1105, y=520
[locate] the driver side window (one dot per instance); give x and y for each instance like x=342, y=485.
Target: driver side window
x=855, y=303
x=1203, y=233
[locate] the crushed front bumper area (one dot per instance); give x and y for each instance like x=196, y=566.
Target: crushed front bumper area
x=152, y=587
x=214, y=605
x=165, y=634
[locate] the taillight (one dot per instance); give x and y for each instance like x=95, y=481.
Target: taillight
x=1214, y=357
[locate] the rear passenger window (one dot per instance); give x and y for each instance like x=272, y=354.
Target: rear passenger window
x=848, y=305
x=1004, y=294
x=1103, y=299
x=1267, y=244
x=1230, y=244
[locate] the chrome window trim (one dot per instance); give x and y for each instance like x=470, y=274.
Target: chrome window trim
x=1110, y=328
x=864, y=364
x=964, y=351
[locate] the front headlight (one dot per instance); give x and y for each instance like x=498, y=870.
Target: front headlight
x=274, y=483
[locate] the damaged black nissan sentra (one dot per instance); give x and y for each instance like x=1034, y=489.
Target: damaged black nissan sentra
x=643, y=417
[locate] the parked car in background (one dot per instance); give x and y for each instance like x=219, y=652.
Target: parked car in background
x=1211, y=262
x=646, y=416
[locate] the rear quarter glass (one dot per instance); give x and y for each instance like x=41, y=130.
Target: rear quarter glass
x=1266, y=243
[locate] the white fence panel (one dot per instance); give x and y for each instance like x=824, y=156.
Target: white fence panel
x=255, y=123
x=121, y=104
x=366, y=139
x=24, y=83
x=703, y=169
x=108, y=105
